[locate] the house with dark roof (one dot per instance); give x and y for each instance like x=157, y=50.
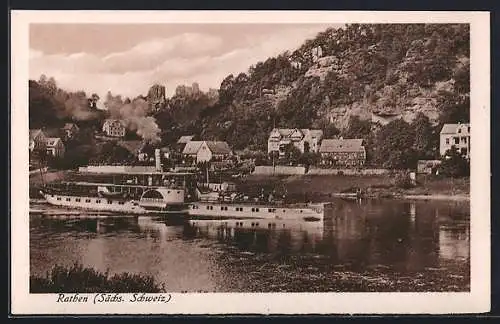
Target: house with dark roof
x=343, y=152
x=70, y=130
x=204, y=151
x=185, y=139
x=455, y=135
x=182, y=141
x=38, y=140
x=306, y=140
x=55, y=147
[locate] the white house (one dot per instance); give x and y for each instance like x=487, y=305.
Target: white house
x=114, y=128
x=55, y=147
x=204, y=151
x=38, y=140
x=457, y=135
x=303, y=139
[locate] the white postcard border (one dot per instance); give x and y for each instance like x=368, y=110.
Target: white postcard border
x=478, y=300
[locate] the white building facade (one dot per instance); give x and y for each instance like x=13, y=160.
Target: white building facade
x=457, y=135
x=55, y=147
x=303, y=139
x=114, y=128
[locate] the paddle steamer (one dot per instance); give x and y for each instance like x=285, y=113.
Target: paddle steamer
x=124, y=189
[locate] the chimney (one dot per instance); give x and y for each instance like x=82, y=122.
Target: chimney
x=157, y=160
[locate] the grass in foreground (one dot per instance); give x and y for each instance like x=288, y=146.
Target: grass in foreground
x=76, y=278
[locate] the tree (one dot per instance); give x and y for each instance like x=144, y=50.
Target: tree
x=357, y=128
x=453, y=107
x=292, y=154
x=425, y=138
x=454, y=164
x=395, y=145
x=309, y=158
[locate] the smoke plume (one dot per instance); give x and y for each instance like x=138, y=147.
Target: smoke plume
x=77, y=106
x=134, y=115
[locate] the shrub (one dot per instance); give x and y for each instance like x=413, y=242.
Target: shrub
x=402, y=180
x=454, y=165
x=76, y=278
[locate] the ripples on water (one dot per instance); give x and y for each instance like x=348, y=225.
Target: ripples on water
x=369, y=246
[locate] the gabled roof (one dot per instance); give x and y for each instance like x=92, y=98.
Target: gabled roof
x=185, y=139
x=283, y=132
x=287, y=132
x=34, y=133
x=218, y=147
x=341, y=145
x=70, y=126
x=52, y=141
x=452, y=128
x=192, y=147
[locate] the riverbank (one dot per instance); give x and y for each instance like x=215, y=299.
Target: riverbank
x=321, y=187
x=48, y=176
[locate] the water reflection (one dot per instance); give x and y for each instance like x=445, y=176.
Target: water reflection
x=406, y=236
x=192, y=255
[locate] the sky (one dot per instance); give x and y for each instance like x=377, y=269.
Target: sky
x=127, y=59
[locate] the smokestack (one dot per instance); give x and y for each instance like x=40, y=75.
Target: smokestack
x=157, y=160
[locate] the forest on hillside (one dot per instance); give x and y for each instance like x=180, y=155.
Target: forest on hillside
x=335, y=81
x=366, y=68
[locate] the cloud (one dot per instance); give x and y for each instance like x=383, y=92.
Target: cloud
x=172, y=61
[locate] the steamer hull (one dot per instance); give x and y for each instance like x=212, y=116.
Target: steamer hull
x=150, y=202
x=299, y=213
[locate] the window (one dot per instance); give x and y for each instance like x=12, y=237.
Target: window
x=68, y=199
x=459, y=130
x=58, y=198
x=98, y=201
x=447, y=141
x=110, y=202
x=121, y=203
x=463, y=151
x=87, y=200
x=457, y=140
x=77, y=199
x=468, y=129
x=464, y=140
x=256, y=209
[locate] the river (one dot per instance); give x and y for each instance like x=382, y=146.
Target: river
x=379, y=245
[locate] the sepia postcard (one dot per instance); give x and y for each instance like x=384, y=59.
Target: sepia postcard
x=250, y=162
